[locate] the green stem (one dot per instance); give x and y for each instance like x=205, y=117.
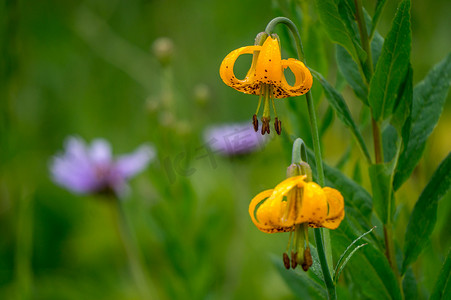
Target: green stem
x=321, y=236
x=24, y=246
x=368, y=64
x=299, y=153
x=377, y=139
x=389, y=248
x=294, y=30
x=132, y=252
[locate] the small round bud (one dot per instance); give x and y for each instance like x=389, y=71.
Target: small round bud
x=293, y=170
x=163, y=48
x=260, y=38
x=167, y=119
x=201, y=94
x=183, y=128
x=152, y=105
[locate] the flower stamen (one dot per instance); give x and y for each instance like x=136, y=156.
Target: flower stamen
x=265, y=76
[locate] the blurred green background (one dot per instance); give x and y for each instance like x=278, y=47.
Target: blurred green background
x=88, y=69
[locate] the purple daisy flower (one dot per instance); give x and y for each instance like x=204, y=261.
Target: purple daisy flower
x=234, y=139
x=85, y=169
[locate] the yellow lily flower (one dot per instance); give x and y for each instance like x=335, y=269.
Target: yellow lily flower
x=266, y=78
x=295, y=205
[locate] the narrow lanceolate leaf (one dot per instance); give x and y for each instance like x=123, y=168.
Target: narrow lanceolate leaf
x=381, y=182
x=337, y=102
x=337, y=29
x=442, y=288
x=327, y=120
x=338, y=268
x=402, y=115
x=376, y=47
x=429, y=97
x=379, y=7
x=424, y=214
x=392, y=65
x=351, y=73
x=357, y=199
x=369, y=268
x=409, y=285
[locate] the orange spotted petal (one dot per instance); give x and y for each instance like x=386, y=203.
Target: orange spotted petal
x=246, y=85
x=285, y=186
x=266, y=217
x=336, y=208
x=252, y=209
x=313, y=206
x=269, y=69
x=303, y=81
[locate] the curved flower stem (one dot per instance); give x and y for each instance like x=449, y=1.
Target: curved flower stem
x=299, y=153
x=321, y=236
x=132, y=252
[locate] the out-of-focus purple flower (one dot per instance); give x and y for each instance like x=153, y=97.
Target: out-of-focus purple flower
x=234, y=139
x=88, y=169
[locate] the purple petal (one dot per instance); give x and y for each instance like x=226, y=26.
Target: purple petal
x=131, y=164
x=73, y=168
x=234, y=139
x=100, y=152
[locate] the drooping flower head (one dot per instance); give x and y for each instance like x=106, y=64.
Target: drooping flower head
x=85, y=169
x=294, y=205
x=234, y=139
x=266, y=77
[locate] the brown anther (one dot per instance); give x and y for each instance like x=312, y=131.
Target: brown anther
x=255, y=122
x=278, y=126
x=265, y=125
x=294, y=262
x=307, y=260
x=286, y=261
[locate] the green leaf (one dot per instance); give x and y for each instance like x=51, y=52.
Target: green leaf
x=337, y=28
x=369, y=267
x=357, y=173
x=337, y=276
x=401, y=118
x=378, y=11
x=376, y=47
x=299, y=282
x=327, y=120
x=381, y=176
x=429, y=97
x=424, y=214
x=351, y=73
x=442, y=288
x=344, y=158
x=341, y=108
x=409, y=285
x=357, y=200
x=338, y=268
x=389, y=141
x=392, y=65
